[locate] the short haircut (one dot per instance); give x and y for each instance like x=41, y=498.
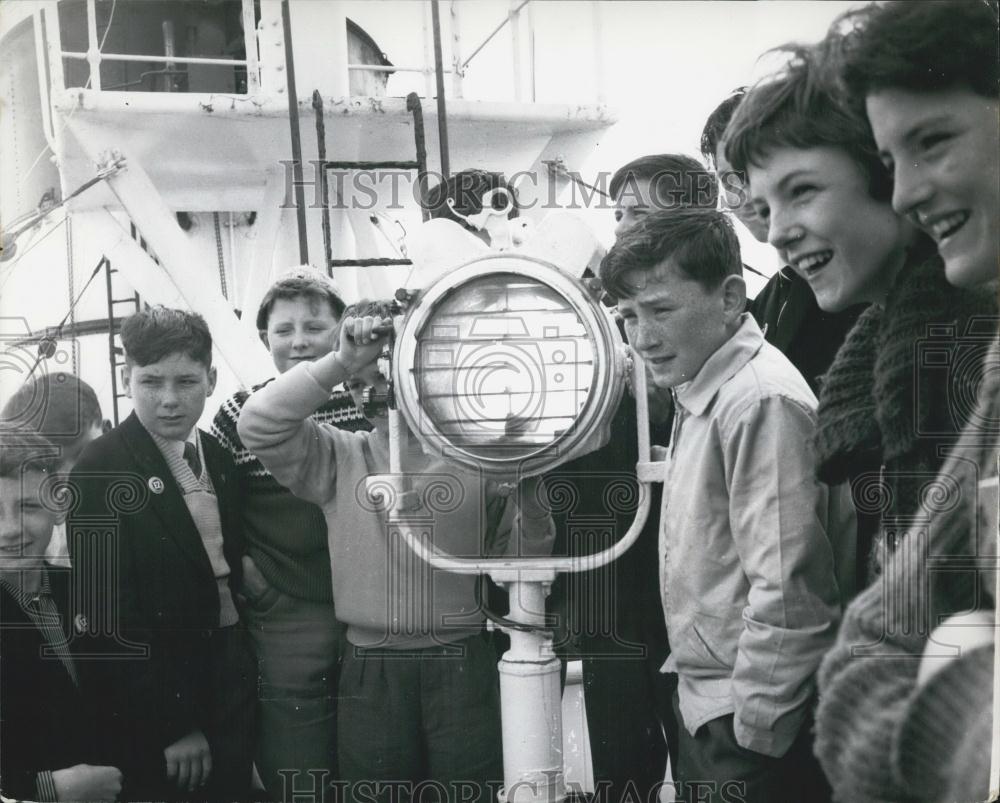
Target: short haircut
x=157, y=332
x=701, y=242
x=922, y=47
x=466, y=189
x=802, y=107
x=674, y=177
x=60, y=406
x=715, y=126
x=303, y=282
x=22, y=450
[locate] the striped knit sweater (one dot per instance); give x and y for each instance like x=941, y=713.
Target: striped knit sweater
x=286, y=536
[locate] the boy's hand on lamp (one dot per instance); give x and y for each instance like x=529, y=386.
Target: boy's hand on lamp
x=361, y=341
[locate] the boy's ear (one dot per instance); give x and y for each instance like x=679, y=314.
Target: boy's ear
x=262, y=334
x=734, y=297
x=127, y=379
x=213, y=376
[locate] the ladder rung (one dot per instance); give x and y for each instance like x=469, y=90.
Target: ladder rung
x=367, y=263
x=408, y=165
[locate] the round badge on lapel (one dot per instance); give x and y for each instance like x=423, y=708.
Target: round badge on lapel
x=156, y=485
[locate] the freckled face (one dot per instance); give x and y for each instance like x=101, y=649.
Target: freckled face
x=169, y=395
x=674, y=322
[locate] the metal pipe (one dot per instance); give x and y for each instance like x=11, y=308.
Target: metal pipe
x=414, y=107
x=514, y=17
x=70, y=54
x=168, y=52
x=496, y=30
x=439, y=74
x=293, y=121
x=324, y=182
x=393, y=68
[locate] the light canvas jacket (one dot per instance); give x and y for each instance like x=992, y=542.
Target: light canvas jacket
x=748, y=543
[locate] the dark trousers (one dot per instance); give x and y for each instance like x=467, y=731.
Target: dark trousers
x=713, y=768
x=420, y=725
x=298, y=644
x=231, y=732
x=631, y=721
x=229, y=727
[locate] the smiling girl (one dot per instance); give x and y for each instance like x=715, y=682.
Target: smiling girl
x=886, y=417
x=908, y=715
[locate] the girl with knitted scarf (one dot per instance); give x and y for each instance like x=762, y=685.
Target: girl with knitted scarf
x=905, y=695
x=887, y=406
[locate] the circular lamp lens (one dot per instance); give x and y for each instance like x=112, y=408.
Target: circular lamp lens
x=507, y=365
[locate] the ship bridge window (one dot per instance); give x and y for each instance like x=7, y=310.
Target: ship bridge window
x=185, y=29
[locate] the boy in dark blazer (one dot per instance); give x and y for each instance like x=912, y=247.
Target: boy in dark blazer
x=156, y=549
x=45, y=747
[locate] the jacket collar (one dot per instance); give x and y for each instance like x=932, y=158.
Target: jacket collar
x=696, y=395
x=165, y=497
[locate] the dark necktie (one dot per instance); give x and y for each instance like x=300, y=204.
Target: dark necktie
x=191, y=458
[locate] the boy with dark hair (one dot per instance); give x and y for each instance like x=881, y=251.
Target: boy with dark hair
x=46, y=741
x=613, y=613
x=156, y=544
x=659, y=181
x=461, y=196
x=286, y=572
x=747, y=536
x=64, y=409
x=785, y=308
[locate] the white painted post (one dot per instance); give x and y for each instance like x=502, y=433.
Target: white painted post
x=428, y=34
x=513, y=22
x=531, y=704
x=456, y=52
x=250, y=40
x=597, y=50
x=93, y=46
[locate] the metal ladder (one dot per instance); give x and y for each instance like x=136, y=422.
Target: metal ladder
x=419, y=164
x=116, y=353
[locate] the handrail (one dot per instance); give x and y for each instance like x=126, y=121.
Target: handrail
x=496, y=30
x=69, y=54
x=94, y=56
